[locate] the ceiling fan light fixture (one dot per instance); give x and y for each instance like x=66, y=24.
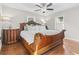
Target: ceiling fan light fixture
x=43, y=11
x=44, y=7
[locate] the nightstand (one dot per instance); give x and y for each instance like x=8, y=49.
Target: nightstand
x=10, y=36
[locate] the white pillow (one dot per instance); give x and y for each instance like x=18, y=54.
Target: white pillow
x=42, y=28
x=36, y=28
x=32, y=28
x=26, y=28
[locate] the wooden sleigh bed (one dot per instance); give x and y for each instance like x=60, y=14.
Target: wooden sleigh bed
x=42, y=43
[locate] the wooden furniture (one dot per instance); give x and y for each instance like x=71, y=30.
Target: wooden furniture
x=43, y=43
x=10, y=36
x=22, y=26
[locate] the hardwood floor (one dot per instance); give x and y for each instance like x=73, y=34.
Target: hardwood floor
x=60, y=50
x=14, y=49
x=70, y=47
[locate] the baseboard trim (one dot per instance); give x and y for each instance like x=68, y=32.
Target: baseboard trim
x=71, y=39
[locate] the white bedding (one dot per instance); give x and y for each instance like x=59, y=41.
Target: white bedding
x=29, y=35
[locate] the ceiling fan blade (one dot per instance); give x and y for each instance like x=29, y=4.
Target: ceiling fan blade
x=37, y=10
x=50, y=9
x=43, y=4
x=38, y=6
x=49, y=4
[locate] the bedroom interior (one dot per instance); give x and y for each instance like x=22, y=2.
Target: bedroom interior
x=39, y=28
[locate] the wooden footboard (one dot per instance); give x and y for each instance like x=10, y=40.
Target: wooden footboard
x=43, y=43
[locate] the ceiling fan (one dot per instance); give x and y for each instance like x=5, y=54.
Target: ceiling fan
x=44, y=7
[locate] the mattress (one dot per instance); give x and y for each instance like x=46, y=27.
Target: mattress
x=29, y=35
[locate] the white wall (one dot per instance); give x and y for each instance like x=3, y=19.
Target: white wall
x=16, y=16
x=71, y=19
x=71, y=22
x=19, y=15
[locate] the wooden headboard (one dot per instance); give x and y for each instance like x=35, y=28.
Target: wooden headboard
x=29, y=23
x=22, y=26
x=33, y=23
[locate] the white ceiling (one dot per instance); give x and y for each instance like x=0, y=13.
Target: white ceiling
x=31, y=7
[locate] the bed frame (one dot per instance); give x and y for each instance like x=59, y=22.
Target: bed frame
x=43, y=43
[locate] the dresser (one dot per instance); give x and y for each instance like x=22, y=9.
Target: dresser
x=10, y=36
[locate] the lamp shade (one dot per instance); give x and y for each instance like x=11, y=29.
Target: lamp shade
x=5, y=17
